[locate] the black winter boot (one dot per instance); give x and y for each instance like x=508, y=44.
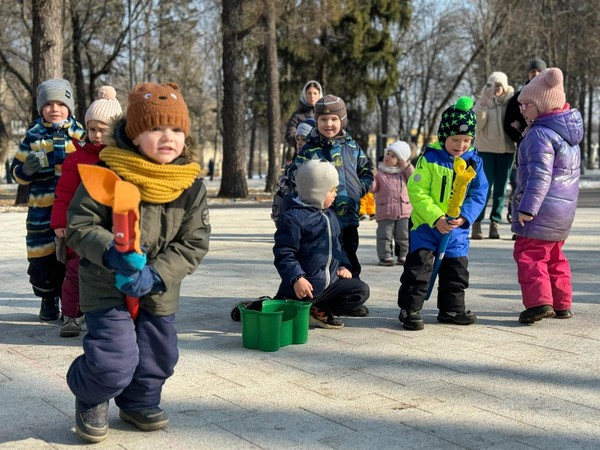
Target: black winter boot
x=49, y=309
x=91, y=422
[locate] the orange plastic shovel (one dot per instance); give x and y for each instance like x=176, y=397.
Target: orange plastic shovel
x=105, y=187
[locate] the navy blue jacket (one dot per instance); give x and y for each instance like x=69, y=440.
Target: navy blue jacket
x=308, y=244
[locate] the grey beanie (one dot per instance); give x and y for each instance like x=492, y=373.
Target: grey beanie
x=56, y=90
x=314, y=179
x=536, y=64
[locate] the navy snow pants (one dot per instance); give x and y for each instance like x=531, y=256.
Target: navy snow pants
x=125, y=360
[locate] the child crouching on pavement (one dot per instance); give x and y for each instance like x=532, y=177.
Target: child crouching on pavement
x=429, y=190
x=125, y=359
x=308, y=251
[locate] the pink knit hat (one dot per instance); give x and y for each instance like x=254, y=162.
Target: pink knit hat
x=546, y=91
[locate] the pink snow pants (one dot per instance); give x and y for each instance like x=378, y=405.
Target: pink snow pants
x=544, y=273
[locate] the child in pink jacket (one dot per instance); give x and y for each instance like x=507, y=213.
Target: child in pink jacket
x=393, y=207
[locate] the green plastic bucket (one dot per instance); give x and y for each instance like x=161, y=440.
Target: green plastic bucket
x=279, y=323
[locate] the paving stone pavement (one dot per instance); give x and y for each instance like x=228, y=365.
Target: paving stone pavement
x=493, y=385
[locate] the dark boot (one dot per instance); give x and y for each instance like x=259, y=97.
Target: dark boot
x=146, y=419
x=411, y=320
x=476, y=232
x=91, y=422
x=494, y=231
x=536, y=314
x=49, y=309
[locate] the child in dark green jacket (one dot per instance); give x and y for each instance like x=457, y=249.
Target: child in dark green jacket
x=130, y=360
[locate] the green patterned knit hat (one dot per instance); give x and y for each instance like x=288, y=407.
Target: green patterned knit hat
x=457, y=119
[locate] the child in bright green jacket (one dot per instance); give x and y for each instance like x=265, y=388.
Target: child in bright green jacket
x=429, y=190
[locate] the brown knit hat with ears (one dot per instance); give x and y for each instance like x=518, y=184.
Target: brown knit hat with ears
x=330, y=104
x=152, y=105
x=546, y=91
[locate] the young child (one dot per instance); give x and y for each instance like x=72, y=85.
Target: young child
x=125, y=359
x=102, y=112
x=429, y=190
x=284, y=185
x=546, y=197
x=331, y=142
x=393, y=206
x=308, y=252
x=38, y=163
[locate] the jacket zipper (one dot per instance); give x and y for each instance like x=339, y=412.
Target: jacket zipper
x=443, y=190
x=330, y=250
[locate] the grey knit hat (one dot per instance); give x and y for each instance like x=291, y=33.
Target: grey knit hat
x=536, y=64
x=56, y=90
x=314, y=179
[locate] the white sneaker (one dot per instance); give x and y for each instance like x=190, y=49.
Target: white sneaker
x=71, y=326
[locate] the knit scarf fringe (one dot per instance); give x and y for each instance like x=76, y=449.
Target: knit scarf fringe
x=158, y=183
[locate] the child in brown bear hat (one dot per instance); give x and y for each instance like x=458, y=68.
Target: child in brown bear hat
x=130, y=360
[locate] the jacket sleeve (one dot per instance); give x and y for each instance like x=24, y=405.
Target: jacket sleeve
x=89, y=225
x=376, y=182
x=287, y=245
x=476, y=195
x=16, y=167
x=419, y=193
x=65, y=190
x=290, y=131
x=513, y=114
x=540, y=162
x=364, y=171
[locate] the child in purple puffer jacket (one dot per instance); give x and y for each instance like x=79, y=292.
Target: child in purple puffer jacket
x=546, y=197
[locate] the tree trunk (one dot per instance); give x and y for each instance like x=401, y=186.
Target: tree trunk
x=273, y=112
x=233, y=182
x=252, y=149
x=81, y=99
x=46, y=55
x=46, y=42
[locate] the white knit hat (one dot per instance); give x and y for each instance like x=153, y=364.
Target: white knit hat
x=105, y=108
x=303, y=129
x=401, y=149
x=314, y=179
x=499, y=77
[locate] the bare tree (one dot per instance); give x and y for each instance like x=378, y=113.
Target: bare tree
x=236, y=28
x=273, y=110
x=46, y=42
x=46, y=53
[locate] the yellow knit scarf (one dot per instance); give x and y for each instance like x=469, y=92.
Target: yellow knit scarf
x=158, y=183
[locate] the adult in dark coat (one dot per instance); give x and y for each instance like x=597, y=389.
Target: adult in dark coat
x=514, y=122
x=309, y=95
